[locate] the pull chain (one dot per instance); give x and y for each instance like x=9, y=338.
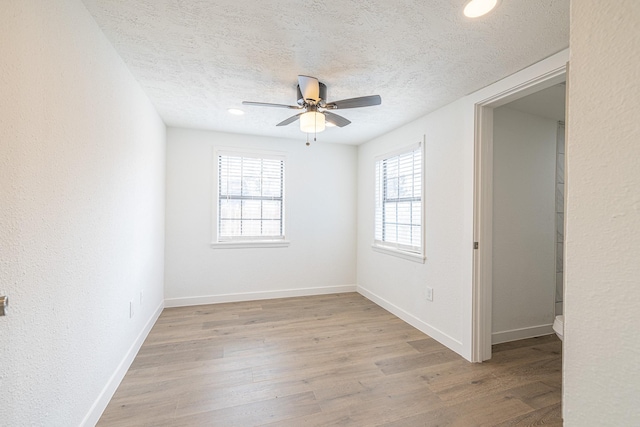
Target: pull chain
x=315, y=126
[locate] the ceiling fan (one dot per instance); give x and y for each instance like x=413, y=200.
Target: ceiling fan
x=315, y=110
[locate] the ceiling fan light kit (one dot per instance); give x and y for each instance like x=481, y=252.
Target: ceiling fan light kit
x=312, y=99
x=312, y=122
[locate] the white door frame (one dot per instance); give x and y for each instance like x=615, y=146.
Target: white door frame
x=483, y=205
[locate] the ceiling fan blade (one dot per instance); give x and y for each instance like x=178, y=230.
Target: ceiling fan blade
x=309, y=87
x=336, y=119
x=290, y=120
x=267, y=104
x=363, y=101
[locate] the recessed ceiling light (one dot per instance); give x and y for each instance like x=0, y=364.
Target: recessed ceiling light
x=235, y=111
x=477, y=8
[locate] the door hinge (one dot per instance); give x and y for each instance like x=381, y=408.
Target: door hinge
x=475, y=245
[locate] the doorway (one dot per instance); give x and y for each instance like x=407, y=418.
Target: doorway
x=484, y=210
x=528, y=196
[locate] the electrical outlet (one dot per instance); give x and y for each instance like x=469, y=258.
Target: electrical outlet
x=130, y=309
x=429, y=293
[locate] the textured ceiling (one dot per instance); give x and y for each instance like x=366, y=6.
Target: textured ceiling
x=197, y=58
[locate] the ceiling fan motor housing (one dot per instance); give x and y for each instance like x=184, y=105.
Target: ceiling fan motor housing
x=323, y=94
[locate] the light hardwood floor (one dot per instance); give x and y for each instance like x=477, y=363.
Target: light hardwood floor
x=324, y=361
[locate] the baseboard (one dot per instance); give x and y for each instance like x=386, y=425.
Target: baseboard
x=521, y=334
x=253, y=296
x=420, y=325
x=98, y=407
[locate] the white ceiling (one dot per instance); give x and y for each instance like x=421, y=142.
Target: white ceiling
x=197, y=58
x=549, y=103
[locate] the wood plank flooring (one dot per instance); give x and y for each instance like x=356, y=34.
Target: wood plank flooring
x=330, y=360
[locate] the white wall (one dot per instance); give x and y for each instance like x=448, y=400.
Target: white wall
x=81, y=214
x=602, y=268
x=320, y=198
x=524, y=174
x=393, y=281
x=398, y=284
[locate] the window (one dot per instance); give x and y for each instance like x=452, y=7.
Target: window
x=250, y=202
x=398, y=208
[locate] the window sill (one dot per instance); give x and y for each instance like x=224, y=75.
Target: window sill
x=251, y=244
x=400, y=254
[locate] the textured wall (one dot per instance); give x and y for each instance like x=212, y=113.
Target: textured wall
x=81, y=211
x=320, y=198
x=524, y=165
x=602, y=336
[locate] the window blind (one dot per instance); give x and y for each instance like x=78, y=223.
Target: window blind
x=398, y=209
x=250, y=197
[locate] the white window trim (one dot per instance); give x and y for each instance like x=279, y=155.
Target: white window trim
x=390, y=248
x=411, y=256
x=249, y=242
